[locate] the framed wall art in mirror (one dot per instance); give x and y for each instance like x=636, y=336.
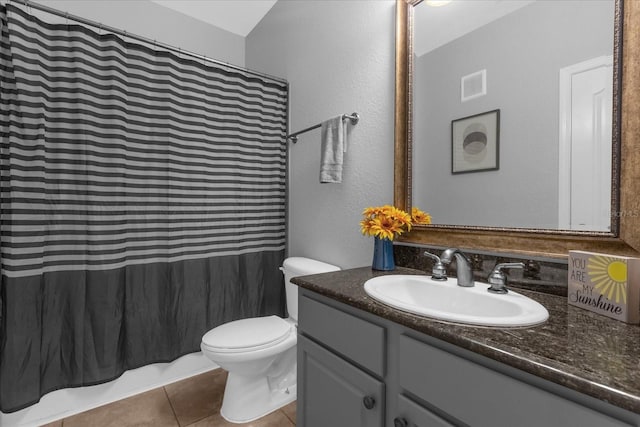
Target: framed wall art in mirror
x=475, y=143
x=515, y=233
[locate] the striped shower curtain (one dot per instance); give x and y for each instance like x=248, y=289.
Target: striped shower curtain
x=142, y=203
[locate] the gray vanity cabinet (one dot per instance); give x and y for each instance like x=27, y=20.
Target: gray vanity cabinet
x=356, y=369
x=340, y=380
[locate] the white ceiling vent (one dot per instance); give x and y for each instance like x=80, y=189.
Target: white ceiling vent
x=473, y=85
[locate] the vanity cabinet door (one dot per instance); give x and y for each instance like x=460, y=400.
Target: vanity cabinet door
x=333, y=392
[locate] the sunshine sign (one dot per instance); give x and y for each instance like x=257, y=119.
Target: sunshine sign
x=605, y=284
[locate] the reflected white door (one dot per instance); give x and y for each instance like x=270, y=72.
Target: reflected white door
x=586, y=99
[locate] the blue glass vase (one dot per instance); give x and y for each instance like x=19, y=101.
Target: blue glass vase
x=383, y=255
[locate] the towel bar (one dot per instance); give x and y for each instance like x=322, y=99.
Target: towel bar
x=353, y=117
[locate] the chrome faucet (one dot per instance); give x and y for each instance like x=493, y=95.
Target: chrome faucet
x=463, y=266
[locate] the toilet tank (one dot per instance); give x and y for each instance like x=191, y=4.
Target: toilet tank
x=299, y=266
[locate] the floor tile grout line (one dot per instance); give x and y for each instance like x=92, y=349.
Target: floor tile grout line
x=172, y=407
x=197, y=421
x=173, y=410
x=287, y=416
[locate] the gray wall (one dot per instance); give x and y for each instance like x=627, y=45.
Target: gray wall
x=148, y=19
x=522, y=81
x=338, y=57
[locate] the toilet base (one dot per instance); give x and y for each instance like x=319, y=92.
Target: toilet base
x=249, y=398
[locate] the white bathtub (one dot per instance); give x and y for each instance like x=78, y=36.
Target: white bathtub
x=69, y=401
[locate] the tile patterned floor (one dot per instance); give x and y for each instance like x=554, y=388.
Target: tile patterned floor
x=194, y=402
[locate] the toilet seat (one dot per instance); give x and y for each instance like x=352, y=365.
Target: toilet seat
x=246, y=335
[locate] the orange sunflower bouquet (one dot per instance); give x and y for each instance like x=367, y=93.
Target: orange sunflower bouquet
x=388, y=222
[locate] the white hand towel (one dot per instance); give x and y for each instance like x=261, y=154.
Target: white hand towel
x=333, y=146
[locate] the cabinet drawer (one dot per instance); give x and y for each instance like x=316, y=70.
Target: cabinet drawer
x=358, y=340
x=418, y=416
x=479, y=396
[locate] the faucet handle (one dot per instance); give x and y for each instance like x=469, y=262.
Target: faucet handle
x=497, y=278
x=438, y=272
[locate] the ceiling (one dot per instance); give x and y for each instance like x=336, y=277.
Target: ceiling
x=236, y=16
x=437, y=26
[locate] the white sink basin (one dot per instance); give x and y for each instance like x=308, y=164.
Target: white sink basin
x=449, y=302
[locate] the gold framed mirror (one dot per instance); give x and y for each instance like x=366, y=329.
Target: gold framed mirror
x=624, y=237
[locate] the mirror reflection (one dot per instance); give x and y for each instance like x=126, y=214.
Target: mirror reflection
x=512, y=113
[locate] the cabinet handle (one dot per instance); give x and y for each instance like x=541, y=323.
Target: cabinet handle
x=400, y=422
x=369, y=402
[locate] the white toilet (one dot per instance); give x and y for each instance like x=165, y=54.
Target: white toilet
x=260, y=353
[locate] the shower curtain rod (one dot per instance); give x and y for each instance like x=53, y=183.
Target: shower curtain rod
x=155, y=43
x=354, y=117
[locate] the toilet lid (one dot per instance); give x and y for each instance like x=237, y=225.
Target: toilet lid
x=247, y=334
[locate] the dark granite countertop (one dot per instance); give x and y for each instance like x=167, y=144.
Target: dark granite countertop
x=575, y=348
